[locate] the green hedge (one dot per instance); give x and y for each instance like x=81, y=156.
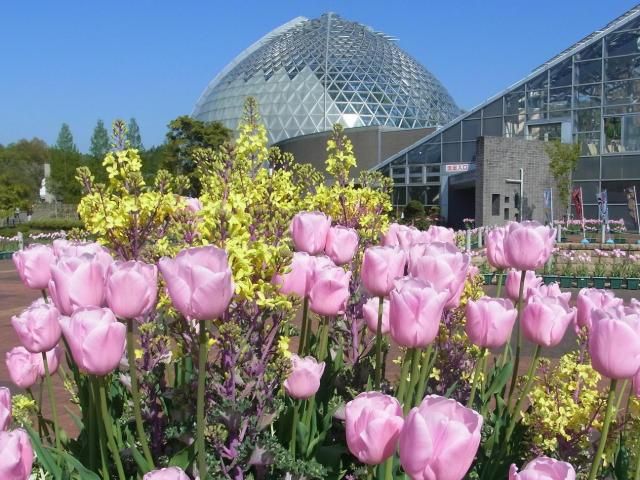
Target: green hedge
x=38, y=226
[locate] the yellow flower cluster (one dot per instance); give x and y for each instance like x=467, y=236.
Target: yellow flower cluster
x=557, y=410
x=22, y=409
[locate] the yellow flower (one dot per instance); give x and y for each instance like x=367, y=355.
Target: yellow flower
x=283, y=347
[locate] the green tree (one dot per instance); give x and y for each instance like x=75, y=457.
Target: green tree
x=152, y=159
x=99, y=141
x=62, y=182
x=21, y=171
x=563, y=160
x=65, y=139
x=133, y=135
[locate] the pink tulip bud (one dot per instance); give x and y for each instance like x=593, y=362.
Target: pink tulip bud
x=171, y=473
x=545, y=320
x=132, y=288
x=38, y=327
x=381, y=266
x=437, y=234
x=342, y=244
x=415, y=309
x=78, y=282
x=528, y=245
x=5, y=408
x=193, y=204
x=543, y=468
x=490, y=321
x=590, y=299
x=309, y=231
x=199, y=282
x=330, y=291
x=512, y=284
x=96, y=339
x=34, y=265
x=53, y=361
x=304, y=380
x=494, y=240
x=614, y=342
x=370, y=314
x=16, y=455
x=439, y=440
x=373, y=423
x=22, y=369
x=443, y=265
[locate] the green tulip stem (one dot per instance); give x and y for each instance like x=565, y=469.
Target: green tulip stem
x=378, y=373
x=95, y=399
x=499, y=287
x=388, y=468
x=294, y=428
x=476, y=377
x=515, y=413
x=135, y=394
x=52, y=399
x=425, y=371
x=108, y=427
x=516, y=365
x=202, y=374
x=597, y=459
x=413, y=379
x=370, y=472
x=305, y=330
x=625, y=384
x=404, y=373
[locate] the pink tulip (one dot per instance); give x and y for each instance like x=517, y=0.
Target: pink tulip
x=78, y=282
x=132, y=288
x=22, y=369
x=342, y=244
x=415, y=309
x=5, y=408
x=65, y=248
x=436, y=234
x=545, y=320
x=528, y=245
x=304, y=380
x=199, y=282
x=171, y=473
x=472, y=272
x=38, y=327
x=309, y=231
x=16, y=455
x=370, y=314
x=490, y=321
x=443, y=265
x=53, y=361
x=512, y=284
x=402, y=236
x=330, y=291
x=59, y=245
x=543, y=468
x=299, y=279
x=373, y=423
x=614, y=342
x=590, y=299
x=96, y=339
x=193, y=204
x=34, y=265
x=494, y=240
x=439, y=440
x=551, y=290
x=381, y=266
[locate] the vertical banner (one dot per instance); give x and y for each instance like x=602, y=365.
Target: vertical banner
x=632, y=205
x=576, y=196
x=548, y=205
x=603, y=208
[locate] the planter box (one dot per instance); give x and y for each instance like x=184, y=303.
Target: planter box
x=549, y=279
x=598, y=282
x=619, y=241
x=488, y=278
x=615, y=282
x=632, y=283
x=565, y=281
x=582, y=282
x=500, y=278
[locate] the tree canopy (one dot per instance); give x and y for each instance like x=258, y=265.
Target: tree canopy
x=99, y=141
x=133, y=135
x=65, y=139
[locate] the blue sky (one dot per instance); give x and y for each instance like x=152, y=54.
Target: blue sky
x=76, y=61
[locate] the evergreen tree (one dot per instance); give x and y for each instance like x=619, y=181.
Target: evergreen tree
x=65, y=140
x=99, y=141
x=133, y=135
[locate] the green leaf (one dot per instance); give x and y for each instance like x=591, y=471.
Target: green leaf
x=85, y=474
x=184, y=457
x=143, y=466
x=43, y=453
x=499, y=381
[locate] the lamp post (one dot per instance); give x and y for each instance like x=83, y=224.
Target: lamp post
x=519, y=181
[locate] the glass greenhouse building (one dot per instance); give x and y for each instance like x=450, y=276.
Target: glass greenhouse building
x=589, y=94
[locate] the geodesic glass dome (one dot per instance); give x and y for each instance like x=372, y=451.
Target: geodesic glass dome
x=309, y=74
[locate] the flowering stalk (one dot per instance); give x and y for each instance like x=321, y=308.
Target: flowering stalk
x=525, y=391
x=202, y=365
x=378, y=373
x=514, y=374
x=136, y=394
x=597, y=459
x=52, y=399
x=108, y=422
x=413, y=379
x=476, y=377
x=305, y=330
x=428, y=359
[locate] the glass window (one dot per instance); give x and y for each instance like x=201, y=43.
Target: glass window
x=401, y=160
x=587, y=168
x=470, y=129
x=589, y=143
x=619, y=93
x=536, y=100
x=621, y=109
x=560, y=75
x=541, y=81
x=615, y=190
x=592, y=51
x=433, y=195
x=432, y=152
x=494, y=109
x=631, y=133
x=495, y=204
x=622, y=68
x=469, y=152
x=588, y=96
x=385, y=171
x=546, y=132
x=560, y=98
x=588, y=120
x=506, y=214
x=452, y=134
x=492, y=127
x=514, y=126
x=588, y=72
x=475, y=114
x=417, y=155
x=415, y=174
x=399, y=195
x=622, y=43
x=564, y=114
x=450, y=152
x=589, y=192
x=613, y=134
x=514, y=102
x=418, y=193
x=621, y=166
x=399, y=174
